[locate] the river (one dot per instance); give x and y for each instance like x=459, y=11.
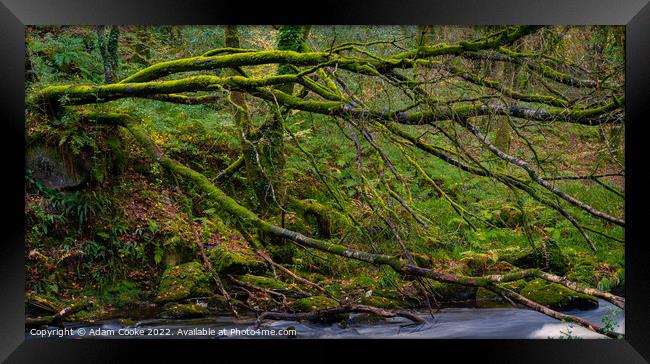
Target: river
x=461, y=323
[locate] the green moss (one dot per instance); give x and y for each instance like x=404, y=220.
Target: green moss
x=479, y=263
x=183, y=281
x=313, y=303
x=381, y=302
x=123, y=293
x=364, y=280
x=225, y=260
x=264, y=282
x=177, y=310
x=282, y=253
x=550, y=259
x=556, y=296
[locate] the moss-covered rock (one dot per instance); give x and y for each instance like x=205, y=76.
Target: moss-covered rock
x=179, y=310
x=263, y=282
x=379, y=301
x=313, y=303
x=557, y=297
x=477, y=264
x=236, y=261
x=183, y=281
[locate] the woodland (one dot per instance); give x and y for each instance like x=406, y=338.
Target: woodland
x=306, y=173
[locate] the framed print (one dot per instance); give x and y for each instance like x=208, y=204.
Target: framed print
x=263, y=176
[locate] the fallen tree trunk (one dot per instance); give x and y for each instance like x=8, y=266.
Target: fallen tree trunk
x=329, y=312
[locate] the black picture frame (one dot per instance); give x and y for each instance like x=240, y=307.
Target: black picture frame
x=15, y=14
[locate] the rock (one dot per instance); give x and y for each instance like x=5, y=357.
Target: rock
x=556, y=296
x=178, y=310
x=263, y=282
x=231, y=261
x=182, y=282
x=313, y=303
x=381, y=302
x=56, y=168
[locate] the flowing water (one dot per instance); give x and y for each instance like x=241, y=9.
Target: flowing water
x=466, y=323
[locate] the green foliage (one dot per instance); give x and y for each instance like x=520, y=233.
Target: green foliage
x=63, y=55
x=81, y=205
x=609, y=321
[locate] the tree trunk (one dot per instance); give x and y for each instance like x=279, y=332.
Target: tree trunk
x=108, y=51
x=142, y=45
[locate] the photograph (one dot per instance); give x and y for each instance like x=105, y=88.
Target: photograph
x=325, y=181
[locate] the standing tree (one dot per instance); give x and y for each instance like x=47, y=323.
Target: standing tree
x=108, y=50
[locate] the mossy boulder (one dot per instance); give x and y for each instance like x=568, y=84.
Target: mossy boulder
x=550, y=259
x=263, y=282
x=236, y=261
x=179, y=310
x=313, y=303
x=183, y=281
x=477, y=264
x=557, y=297
x=379, y=301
